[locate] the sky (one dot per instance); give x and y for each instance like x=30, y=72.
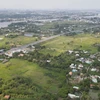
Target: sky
x=50, y=4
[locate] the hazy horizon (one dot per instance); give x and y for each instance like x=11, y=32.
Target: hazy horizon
x=50, y=4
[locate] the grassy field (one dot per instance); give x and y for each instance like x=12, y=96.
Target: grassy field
x=20, y=40
x=64, y=43
x=32, y=71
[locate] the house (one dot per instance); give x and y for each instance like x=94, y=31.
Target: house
x=1, y=50
x=98, y=59
x=21, y=55
x=9, y=54
x=70, y=51
x=73, y=96
x=75, y=87
x=72, y=66
x=81, y=59
x=92, y=56
x=94, y=79
x=24, y=51
x=92, y=85
x=33, y=47
x=70, y=73
x=6, y=35
x=1, y=38
x=1, y=59
x=88, y=61
x=48, y=61
x=93, y=69
x=85, y=51
x=76, y=52
x=74, y=70
x=80, y=66
x=77, y=55
x=7, y=97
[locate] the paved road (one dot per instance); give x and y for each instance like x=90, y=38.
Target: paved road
x=34, y=43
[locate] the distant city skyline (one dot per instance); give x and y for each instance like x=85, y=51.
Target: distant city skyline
x=50, y=4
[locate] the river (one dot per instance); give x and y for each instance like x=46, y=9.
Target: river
x=4, y=24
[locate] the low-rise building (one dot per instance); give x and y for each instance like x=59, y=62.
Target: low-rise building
x=73, y=96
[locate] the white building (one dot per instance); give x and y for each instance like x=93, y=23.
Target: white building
x=73, y=96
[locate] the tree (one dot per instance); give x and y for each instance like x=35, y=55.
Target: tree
x=98, y=48
x=99, y=96
x=85, y=96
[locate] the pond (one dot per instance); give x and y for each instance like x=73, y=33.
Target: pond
x=29, y=34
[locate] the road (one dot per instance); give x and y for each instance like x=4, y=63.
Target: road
x=34, y=43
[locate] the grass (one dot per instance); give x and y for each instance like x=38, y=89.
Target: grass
x=20, y=67
x=30, y=70
x=20, y=40
x=64, y=43
x=94, y=94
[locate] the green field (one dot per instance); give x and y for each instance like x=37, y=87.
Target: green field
x=37, y=75
x=64, y=43
x=20, y=40
x=24, y=68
